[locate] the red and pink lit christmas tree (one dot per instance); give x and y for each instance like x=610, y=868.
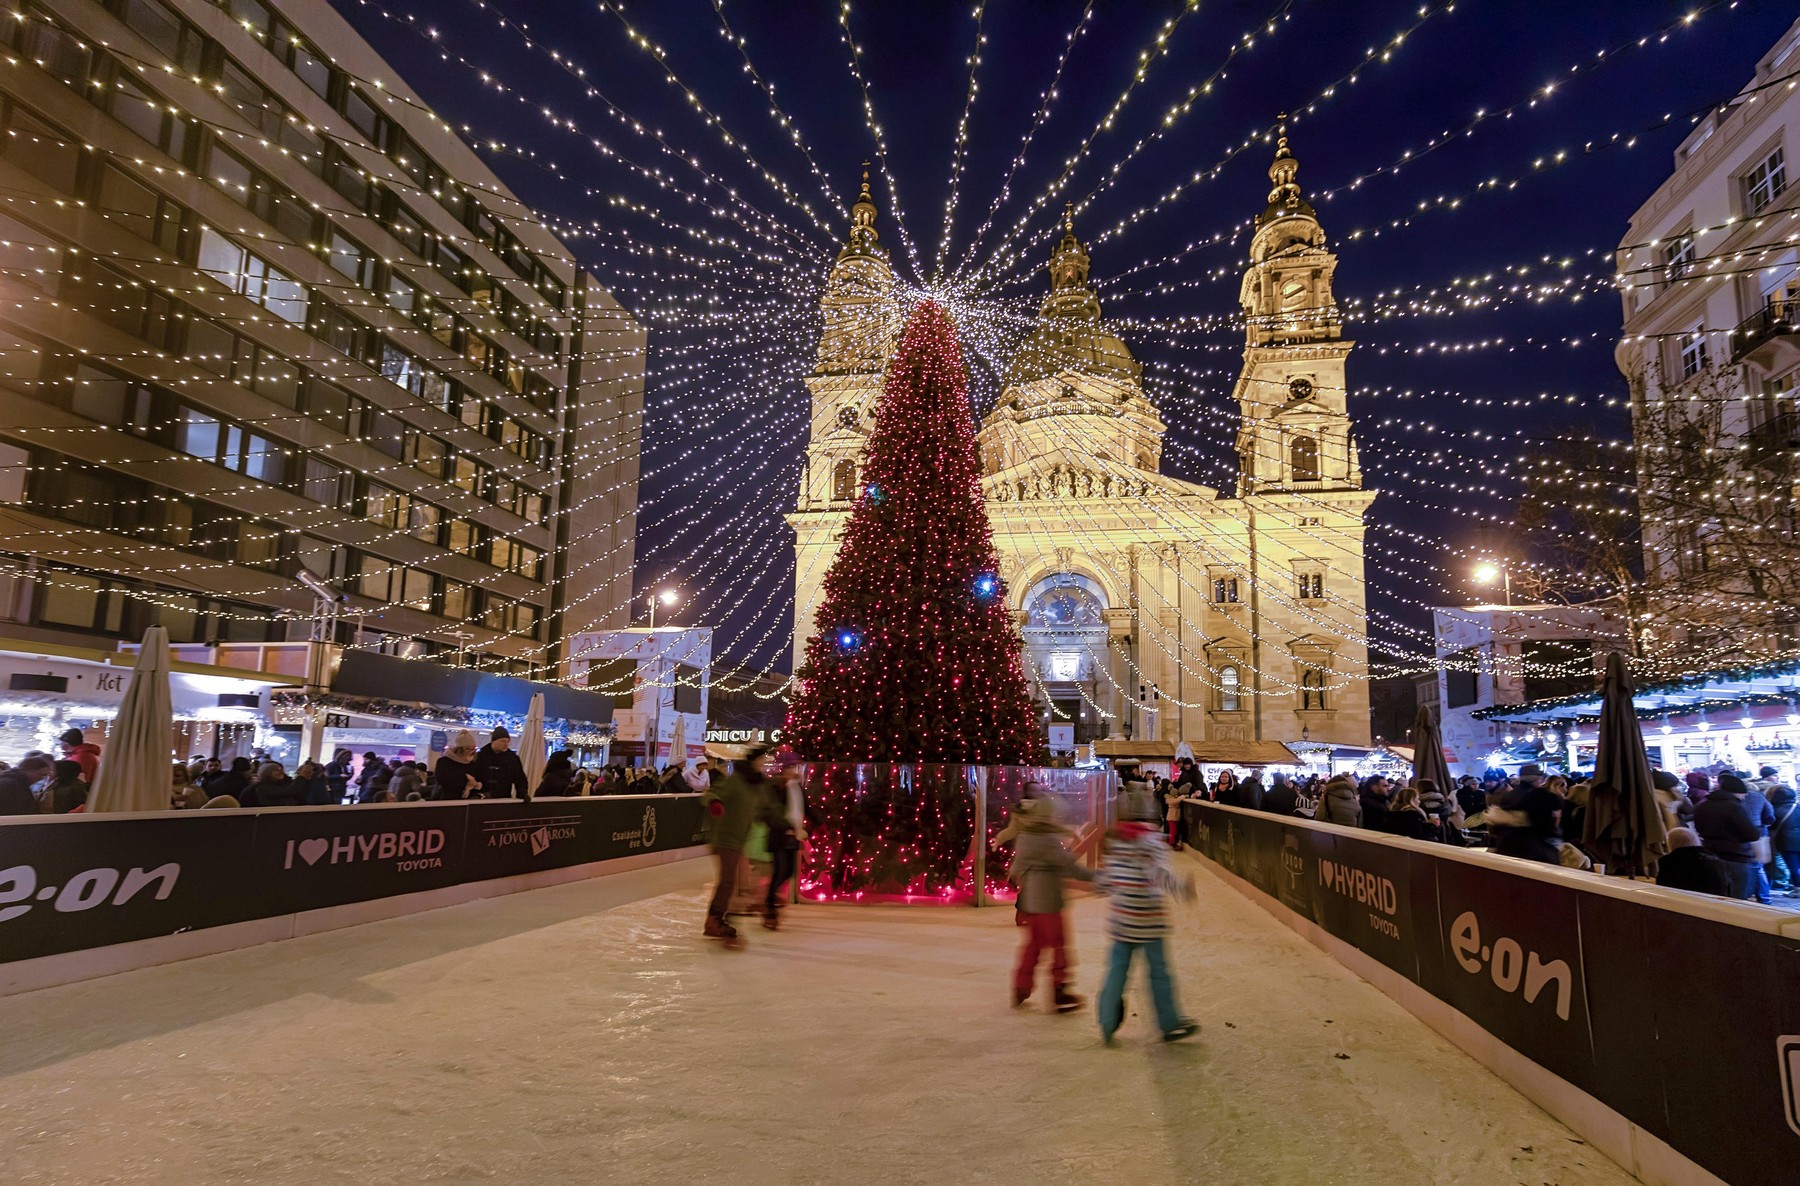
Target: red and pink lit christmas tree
x=915, y=659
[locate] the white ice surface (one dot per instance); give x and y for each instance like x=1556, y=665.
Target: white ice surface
x=587, y=1034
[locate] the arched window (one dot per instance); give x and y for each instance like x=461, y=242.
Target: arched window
x=1303, y=459
x=843, y=481
x=1228, y=690
x=1312, y=690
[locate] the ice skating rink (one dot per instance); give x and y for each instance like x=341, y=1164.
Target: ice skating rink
x=587, y=1034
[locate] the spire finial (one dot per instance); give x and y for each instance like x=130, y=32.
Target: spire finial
x=1286, y=194
x=1069, y=217
x=863, y=236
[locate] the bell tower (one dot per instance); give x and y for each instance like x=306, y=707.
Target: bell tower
x=860, y=318
x=1294, y=432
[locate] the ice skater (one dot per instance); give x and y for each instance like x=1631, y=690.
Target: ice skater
x=1139, y=876
x=732, y=803
x=785, y=813
x=1040, y=866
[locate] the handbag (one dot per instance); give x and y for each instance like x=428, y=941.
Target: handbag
x=1762, y=850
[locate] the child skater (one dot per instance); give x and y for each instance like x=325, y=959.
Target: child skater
x=1138, y=876
x=1040, y=865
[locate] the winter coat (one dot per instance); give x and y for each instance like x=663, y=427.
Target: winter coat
x=559, y=779
x=316, y=791
x=232, y=782
x=1411, y=823
x=1677, y=809
x=1040, y=865
x=337, y=777
x=1374, y=807
x=1250, y=793
x=1757, y=807
x=1339, y=804
x=1441, y=805
x=15, y=794
x=1471, y=799
x=731, y=806
x=66, y=795
x=502, y=774
x=1138, y=875
x=275, y=792
x=1695, y=869
x=1787, y=818
x=365, y=780
x=1531, y=832
x=450, y=779
x=1282, y=799
x=406, y=780
x=1726, y=828
x=87, y=755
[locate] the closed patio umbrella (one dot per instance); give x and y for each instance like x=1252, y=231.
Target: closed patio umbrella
x=1428, y=753
x=135, y=766
x=678, y=742
x=1623, y=827
x=531, y=744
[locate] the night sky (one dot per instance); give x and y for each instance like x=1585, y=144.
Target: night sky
x=728, y=413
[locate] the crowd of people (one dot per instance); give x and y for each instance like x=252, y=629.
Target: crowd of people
x=45, y=783
x=1729, y=833
x=41, y=783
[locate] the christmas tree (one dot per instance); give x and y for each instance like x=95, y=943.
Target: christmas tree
x=915, y=659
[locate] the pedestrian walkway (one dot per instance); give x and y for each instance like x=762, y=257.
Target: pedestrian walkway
x=587, y=1034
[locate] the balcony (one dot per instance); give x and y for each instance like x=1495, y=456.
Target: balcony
x=1770, y=337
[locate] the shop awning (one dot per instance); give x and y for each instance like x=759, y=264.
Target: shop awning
x=127, y=659
x=374, y=677
x=1776, y=683
x=1220, y=753
x=46, y=677
x=1148, y=750
x=1243, y=753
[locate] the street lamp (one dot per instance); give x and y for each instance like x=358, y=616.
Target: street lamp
x=653, y=738
x=666, y=597
x=1490, y=572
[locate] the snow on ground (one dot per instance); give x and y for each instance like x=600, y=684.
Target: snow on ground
x=587, y=1034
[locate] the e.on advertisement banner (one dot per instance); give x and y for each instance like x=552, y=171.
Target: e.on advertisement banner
x=1688, y=1027
x=68, y=883
x=72, y=883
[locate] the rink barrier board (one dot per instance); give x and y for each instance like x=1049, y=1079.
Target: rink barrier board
x=180, y=882
x=1663, y=1027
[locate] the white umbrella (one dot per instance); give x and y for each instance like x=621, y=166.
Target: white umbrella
x=135, y=767
x=678, y=742
x=531, y=744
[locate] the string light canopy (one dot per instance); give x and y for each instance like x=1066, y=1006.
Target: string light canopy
x=716, y=231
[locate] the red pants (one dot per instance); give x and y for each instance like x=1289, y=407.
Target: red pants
x=1042, y=931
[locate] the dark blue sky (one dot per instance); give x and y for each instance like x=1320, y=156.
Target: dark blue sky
x=723, y=463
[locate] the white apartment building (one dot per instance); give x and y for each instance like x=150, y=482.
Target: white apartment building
x=1711, y=348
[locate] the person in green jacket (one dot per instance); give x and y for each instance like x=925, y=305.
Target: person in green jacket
x=732, y=803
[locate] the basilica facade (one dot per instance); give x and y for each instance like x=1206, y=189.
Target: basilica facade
x=1151, y=608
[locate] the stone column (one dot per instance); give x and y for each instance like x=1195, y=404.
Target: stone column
x=1118, y=637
